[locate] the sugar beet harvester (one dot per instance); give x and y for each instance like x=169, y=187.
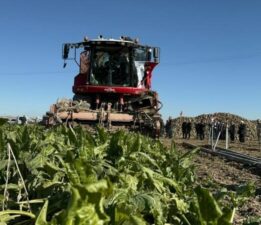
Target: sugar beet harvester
x=113, y=87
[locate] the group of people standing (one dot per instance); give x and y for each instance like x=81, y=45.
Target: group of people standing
x=216, y=126
x=186, y=129
x=200, y=130
x=219, y=130
x=242, y=131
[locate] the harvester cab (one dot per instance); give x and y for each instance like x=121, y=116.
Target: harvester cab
x=113, y=86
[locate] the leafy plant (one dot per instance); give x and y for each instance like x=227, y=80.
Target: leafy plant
x=74, y=177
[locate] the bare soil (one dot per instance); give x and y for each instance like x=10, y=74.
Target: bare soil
x=222, y=173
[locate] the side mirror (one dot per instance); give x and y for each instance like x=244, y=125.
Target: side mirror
x=66, y=49
x=156, y=54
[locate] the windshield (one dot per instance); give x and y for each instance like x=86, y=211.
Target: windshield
x=111, y=66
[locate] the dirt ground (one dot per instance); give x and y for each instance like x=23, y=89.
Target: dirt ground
x=223, y=173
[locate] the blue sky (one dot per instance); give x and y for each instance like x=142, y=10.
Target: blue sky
x=210, y=51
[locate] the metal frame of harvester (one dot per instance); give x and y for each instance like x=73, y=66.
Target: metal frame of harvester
x=113, y=87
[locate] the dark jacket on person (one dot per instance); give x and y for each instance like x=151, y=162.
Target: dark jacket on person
x=183, y=127
x=188, y=130
x=201, y=130
x=232, y=132
x=169, y=128
x=242, y=132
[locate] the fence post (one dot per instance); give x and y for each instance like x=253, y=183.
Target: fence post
x=227, y=136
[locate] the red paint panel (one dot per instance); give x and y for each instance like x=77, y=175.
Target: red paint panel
x=80, y=79
x=108, y=89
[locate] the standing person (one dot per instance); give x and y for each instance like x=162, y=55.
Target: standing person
x=242, y=131
x=232, y=131
x=197, y=129
x=183, y=127
x=258, y=130
x=201, y=130
x=169, y=127
x=216, y=127
x=222, y=131
x=188, y=129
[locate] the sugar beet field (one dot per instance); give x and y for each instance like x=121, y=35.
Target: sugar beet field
x=69, y=176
